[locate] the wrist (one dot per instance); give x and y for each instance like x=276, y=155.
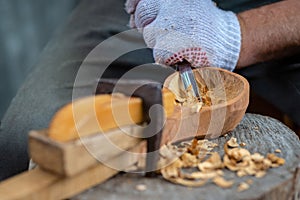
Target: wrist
x=247, y=52
x=229, y=39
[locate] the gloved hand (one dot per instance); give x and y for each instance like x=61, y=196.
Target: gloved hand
x=194, y=30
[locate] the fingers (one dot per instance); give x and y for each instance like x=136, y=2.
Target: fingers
x=192, y=30
x=132, y=21
x=130, y=6
x=146, y=11
x=186, y=48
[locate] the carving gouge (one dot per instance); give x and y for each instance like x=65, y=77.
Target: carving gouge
x=188, y=78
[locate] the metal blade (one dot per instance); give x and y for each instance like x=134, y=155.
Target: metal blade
x=188, y=78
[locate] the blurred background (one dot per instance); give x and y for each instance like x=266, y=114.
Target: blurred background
x=25, y=28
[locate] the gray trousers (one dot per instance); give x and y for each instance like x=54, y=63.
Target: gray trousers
x=82, y=46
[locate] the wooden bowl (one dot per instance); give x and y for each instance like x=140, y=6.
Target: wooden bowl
x=229, y=93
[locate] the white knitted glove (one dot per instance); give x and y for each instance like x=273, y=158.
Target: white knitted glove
x=194, y=30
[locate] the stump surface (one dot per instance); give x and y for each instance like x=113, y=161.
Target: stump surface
x=261, y=134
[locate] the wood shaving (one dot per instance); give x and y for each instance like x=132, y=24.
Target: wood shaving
x=203, y=175
x=256, y=157
x=276, y=161
x=221, y=182
x=240, y=160
x=277, y=151
x=172, y=170
x=192, y=149
x=186, y=98
x=187, y=183
x=243, y=144
x=189, y=160
x=141, y=187
x=232, y=142
x=196, y=107
x=207, y=165
x=260, y=174
x=211, y=164
x=243, y=186
x=249, y=181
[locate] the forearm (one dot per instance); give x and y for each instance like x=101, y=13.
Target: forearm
x=269, y=32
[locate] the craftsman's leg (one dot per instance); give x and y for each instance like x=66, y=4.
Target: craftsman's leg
x=50, y=84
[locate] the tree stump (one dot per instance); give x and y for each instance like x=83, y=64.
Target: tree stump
x=261, y=134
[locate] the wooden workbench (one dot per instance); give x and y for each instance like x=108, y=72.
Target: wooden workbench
x=261, y=134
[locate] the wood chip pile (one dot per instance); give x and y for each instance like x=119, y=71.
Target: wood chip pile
x=195, y=164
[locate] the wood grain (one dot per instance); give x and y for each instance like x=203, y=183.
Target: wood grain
x=68, y=159
x=228, y=105
x=39, y=184
x=100, y=113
